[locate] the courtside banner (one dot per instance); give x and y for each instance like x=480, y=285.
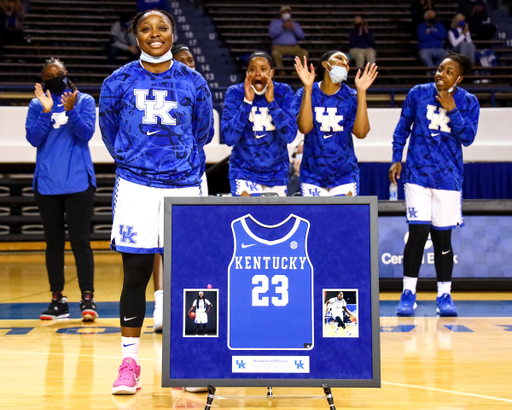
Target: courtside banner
x=481, y=249
x=271, y=291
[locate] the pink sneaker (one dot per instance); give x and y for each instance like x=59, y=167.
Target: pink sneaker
x=128, y=380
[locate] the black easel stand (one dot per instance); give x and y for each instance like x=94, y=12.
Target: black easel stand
x=328, y=395
x=211, y=396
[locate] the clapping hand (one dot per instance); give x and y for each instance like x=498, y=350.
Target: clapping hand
x=69, y=99
x=306, y=76
x=364, y=80
x=45, y=99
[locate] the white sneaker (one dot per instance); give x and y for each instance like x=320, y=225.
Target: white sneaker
x=158, y=313
x=195, y=389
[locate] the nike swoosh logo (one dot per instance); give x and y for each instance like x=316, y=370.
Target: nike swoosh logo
x=434, y=135
x=132, y=344
x=126, y=319
x=152, y=132
x=246, y=246
x=328, y=136
x=60, y=105
x=444, y=253
x=260, y=136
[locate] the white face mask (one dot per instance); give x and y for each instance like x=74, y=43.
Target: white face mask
x=338, y=74
x=454, y=85
x=259, y=92
x=298, y=156
x=154, y=60
x=286, y=16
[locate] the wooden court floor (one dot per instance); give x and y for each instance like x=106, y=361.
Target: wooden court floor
x=427, y=362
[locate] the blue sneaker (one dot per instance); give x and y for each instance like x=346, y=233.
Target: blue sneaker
x=407, y=304
x=445, y=306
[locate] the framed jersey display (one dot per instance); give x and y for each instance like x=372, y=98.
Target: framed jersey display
x=271, y=291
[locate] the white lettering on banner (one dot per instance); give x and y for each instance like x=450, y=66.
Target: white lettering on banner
x=330, y=122
x=270, y=263
x=262, y=121
x=388, y=259
x=270, y=364
x=438, y=121
x=155, y=108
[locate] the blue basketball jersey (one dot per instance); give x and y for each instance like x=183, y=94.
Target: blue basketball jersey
x=329, y=159
x=270, y=289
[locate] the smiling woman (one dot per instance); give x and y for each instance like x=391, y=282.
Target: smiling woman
x=258, y=122
x=155, y=117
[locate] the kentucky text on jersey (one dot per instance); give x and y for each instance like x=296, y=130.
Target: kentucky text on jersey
x=155, y=125
x=329, y=159
x=434, y=157
x=268, y=262
x=259, y=133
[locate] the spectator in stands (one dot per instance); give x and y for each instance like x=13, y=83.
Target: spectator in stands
x=144, y=5
x=431, y=36
x=361, y=43
x=438, y=118
x=460, y=38
x=155, y=115
x=122, y=39
x=285, y=34
x=418, y=9
x=477, y=17
x=258, y=122
x=294, y=174
x=13, y=33
x=329, y=113
x=60, y=123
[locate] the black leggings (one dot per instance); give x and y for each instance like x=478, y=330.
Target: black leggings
x=137, y=273
x=78, y=208
x=340, y=322
x=443, y=252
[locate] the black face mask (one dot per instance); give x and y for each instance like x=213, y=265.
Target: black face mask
x=431, y=21
x=57, y=84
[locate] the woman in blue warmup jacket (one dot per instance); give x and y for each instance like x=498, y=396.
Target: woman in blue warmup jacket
x=60, y=123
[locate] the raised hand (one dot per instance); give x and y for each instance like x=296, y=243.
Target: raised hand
x=269, y=94
x=249, y=92
x=69, y=99
x=307, y=77
x=364, y=80
x=45, y=99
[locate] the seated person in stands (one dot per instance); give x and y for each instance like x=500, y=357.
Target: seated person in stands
x=258, y=122
x=361, y=43
x=477, y=18
x=460, y=38
x=143, y=5
x=13, y=15
x=123, y=40
x=431, y=36
x=285, y=34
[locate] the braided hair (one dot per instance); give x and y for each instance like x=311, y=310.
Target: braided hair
x=464, y=62
x=52, y=60
x=139, y=16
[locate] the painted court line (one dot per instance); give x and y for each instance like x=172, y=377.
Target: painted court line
x=75, y=355
x=481, y=396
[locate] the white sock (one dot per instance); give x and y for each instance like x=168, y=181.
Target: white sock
x=130, y=347
x=410, y=284
x=159, y=298
x=443, y=287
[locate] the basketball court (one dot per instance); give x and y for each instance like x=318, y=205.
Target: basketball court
x=427, y=362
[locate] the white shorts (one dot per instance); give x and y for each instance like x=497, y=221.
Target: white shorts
x=439, y=207
x=138, y=216
x=204, y=185
x=255, y=189
x=340, y=190
x=201, y=318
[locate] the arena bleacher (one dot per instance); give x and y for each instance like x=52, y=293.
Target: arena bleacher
x=220, y=33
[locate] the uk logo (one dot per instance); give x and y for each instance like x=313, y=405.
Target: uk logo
x=314, y=192
x=253, y=186
x=412, y=213
x=299, y=364
x=59, y=119
x=331, y=121
x=262, y=121
x=158, y=107
x=241, y=364
x=438, y=121
x=127, y=234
